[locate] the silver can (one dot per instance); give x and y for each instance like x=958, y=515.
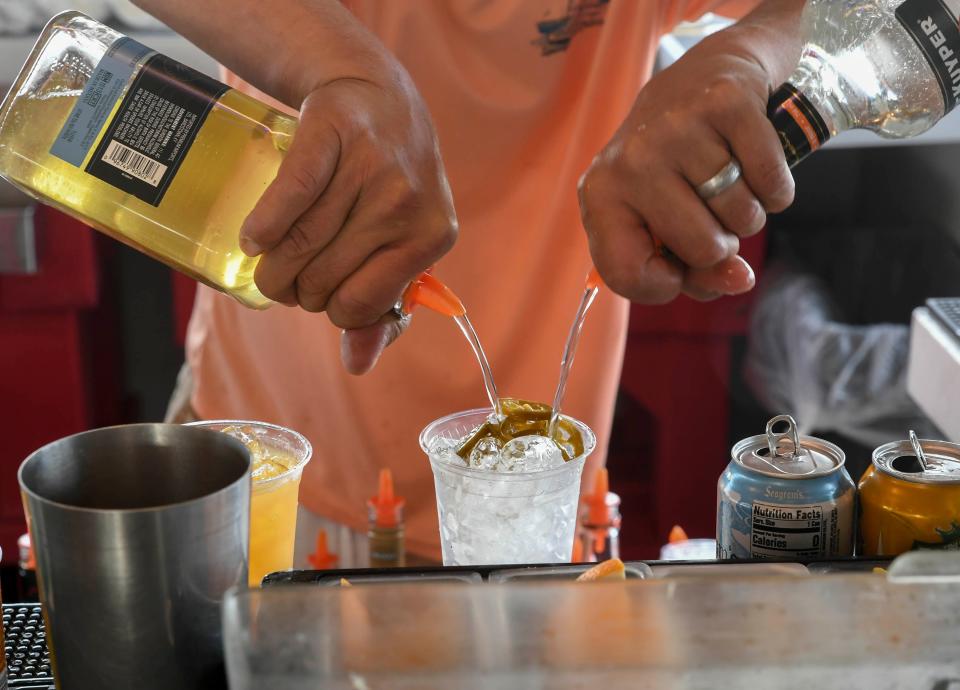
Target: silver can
x=785, y=496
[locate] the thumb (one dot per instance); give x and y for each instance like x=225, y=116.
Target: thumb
x=360, y=348
x=731, y=276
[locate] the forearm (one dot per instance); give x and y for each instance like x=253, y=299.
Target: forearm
x=770, y=36
x=286, y=48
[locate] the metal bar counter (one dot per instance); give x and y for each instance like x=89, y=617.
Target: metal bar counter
x=793, y=630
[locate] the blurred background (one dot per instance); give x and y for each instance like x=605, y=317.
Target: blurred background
x=91, y=332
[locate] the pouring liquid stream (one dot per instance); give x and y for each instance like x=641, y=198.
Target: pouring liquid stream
x=471, y=335
x=570, y=350
x=428, y=291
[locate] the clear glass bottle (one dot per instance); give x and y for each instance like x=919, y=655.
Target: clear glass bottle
x=599, y=523
x=601, y=539
x=142, y=148
x=27, y=570
x=887, y=66
x=386, y=533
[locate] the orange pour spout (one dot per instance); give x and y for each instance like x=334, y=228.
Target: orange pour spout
x=429, y=292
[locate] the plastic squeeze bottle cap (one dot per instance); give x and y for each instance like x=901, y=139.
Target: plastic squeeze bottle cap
x=322, y=558
x=597, y=511
x=429, y=292
x=28, y=560
x=598, y=514
x=386, y=509
x=677, y=535
x=593, y=279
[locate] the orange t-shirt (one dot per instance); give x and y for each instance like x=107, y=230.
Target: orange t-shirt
x=521, y=104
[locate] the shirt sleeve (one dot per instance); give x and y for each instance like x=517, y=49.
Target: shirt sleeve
x=690, y=10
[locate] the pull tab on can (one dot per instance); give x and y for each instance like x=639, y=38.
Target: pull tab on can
x=791, y=434
x=918, y=451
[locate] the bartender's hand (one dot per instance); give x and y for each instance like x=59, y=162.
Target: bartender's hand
x=684, y=128
x=360, y=205
x=359, y=208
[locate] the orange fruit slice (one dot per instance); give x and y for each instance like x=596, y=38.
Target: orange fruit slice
x=612, y=569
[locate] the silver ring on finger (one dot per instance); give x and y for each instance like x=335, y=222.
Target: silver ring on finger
x=720, y=182
x=397, y=311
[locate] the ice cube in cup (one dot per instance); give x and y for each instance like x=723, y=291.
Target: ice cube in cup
x=484, y=456
x=530, y=454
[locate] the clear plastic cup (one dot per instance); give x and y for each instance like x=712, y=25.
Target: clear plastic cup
x=273, y=500
x=496, y=518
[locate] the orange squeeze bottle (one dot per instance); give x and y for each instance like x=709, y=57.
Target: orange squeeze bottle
x=386, y=525
x=597, y=514
x=600, y=520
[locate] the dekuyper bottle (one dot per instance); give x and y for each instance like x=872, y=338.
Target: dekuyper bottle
x=142, y=148
x=888, y=66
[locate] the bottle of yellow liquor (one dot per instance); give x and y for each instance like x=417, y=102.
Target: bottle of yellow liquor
x=143, y=148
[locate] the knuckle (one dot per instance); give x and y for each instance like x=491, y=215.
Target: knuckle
x=269, y=282
x=303, y=182
x=709, y=251
x=271, y=290
x=347, y=309
x=637, y=150
x=621, y=281
x=297, y=243
x=443, y=236
x=747, y=220
x=723, y=96
x=590, y=187
x=773, y=184
x=585, y=186
x=636, y=284
x=312, y=290
x=754, y=221
x=402, y=198
x=781, y=195
x=310, y=305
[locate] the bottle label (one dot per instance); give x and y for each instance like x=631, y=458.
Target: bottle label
x=933, y=25
x=151, y=131
x=99, y=96
x=800, y=127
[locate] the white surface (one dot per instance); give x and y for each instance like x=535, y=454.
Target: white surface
x=933, y=374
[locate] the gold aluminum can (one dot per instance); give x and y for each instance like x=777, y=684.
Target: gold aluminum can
x=906, y=506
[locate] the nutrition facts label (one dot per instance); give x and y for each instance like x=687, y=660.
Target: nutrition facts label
x=780, y=531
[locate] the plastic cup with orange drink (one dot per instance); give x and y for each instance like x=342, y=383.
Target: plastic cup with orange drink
x=279, y=456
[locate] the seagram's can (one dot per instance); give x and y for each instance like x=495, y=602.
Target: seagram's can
x=906, y=504
x=785, y=496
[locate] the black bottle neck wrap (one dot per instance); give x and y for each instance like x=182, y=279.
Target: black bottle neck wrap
x=800, y=127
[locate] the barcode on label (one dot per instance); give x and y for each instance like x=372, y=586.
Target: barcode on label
x=133, y=163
